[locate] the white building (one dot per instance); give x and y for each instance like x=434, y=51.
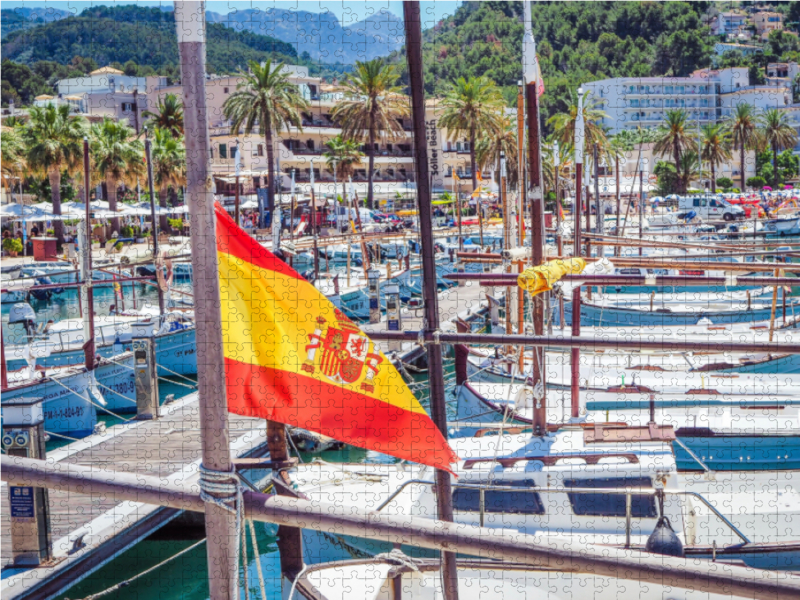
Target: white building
x=631, y=102
x=100, y=80
x=708, y=95
x=729, y=22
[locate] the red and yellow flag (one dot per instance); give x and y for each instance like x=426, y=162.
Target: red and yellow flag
x=291, y=356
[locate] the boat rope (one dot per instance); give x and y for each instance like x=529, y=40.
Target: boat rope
x=257, y=553
x=228, y=490
x=177, y=374
x=127, y=582
x=92, y=402
x=115, y=393
x=61, y=435
x=161, y=377
x=296, y=579
x=398, y=557
x=294, y=447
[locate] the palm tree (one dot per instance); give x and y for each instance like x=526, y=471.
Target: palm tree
x=779, y=134
x=53, y=142
x=372, y=105
x=12, y=156
x=563, y=124
x=169, y=115
x=715, y=147
x=489, y=146
x=169, y=166
x=743, y=124
x=675, y=137
x=268, y=101
x=342, y=156
x=472, y=108
x=118, y=157
x=689, y=169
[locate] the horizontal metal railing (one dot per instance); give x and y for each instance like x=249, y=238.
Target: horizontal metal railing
x=627, y=492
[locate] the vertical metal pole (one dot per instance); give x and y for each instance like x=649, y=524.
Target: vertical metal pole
x=536, y=189
x=641, y=204
x=617, y=249
x=598, y=225
x=413, y=25
x=578, y=150
x=575, y=355
x=238, y=164
x=151, y=190
x=220, y=524
x=3, y=367
x=314, y=223
x=86, y=249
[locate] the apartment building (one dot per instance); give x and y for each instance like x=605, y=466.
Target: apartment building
x=729, y=22
x=298, y=151
x=766, y=22
x=708, y=96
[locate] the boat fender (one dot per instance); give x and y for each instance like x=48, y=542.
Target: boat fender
x=664, y=540
x=461, y=354
x=524, y=399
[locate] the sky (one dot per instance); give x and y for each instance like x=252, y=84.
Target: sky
x=347, y=11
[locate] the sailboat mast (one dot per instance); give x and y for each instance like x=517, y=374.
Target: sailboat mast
x=536, y=192
x=87, y=294
x=413, y=25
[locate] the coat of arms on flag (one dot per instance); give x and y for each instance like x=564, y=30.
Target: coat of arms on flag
x=344, y=352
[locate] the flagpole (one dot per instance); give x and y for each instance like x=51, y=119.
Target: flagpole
x=413, y=26
x=223, y=569
x=531, y=75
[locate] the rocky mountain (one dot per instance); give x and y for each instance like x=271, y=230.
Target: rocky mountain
x=321, y=35
x=24, y=17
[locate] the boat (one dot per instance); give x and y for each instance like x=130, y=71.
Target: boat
x=573, y=482
x=671, y=310
x=174, y=335
x=714, y=432
x=395, y=574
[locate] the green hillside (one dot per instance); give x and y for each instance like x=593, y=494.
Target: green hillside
x=141, y=38
x=577, y=42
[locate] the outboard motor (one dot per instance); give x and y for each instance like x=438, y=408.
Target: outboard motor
x=664, y=540
x=22, y=312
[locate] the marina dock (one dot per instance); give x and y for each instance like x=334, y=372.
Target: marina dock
x=88, y=530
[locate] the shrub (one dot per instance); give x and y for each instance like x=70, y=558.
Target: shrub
x=127, y=231
x=725, y=183
x=11, y=245
x=756, y=182
x=176, y=224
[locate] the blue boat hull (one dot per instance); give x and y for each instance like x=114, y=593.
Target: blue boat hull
x=66, y=411
x=175, y=351
x=763, y=452
x=592, y=315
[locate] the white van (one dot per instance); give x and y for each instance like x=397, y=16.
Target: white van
x=710, y=208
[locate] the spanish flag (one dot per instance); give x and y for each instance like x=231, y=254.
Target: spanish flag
x=292, y=357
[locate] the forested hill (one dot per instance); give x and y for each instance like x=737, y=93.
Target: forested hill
x=577, y=42
x=140, y=34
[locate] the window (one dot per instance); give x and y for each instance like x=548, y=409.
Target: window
x=233, y=151
x=523, y=502
x=261, y=149
x=225, y=90
x=223, y=151
x=127, y=107
x=611, y=505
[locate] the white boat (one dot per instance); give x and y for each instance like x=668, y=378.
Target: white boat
x=562, y=484
x=395, y=575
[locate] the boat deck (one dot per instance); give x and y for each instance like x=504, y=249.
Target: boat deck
x=169, y=447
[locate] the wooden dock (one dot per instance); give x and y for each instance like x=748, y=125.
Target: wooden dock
x=464, y=302
x=89, y=531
